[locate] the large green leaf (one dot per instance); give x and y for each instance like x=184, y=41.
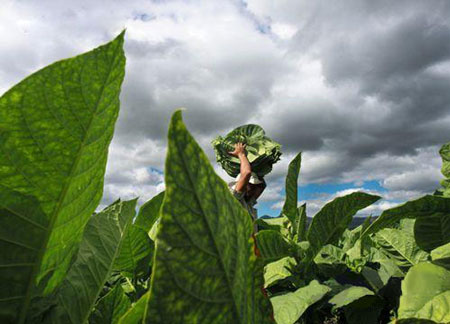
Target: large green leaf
x=20, y=239
x=333, y=219
x=135, y=314
x=441, y=255
x=289, y=307
x=387, y=268
x=330, y=260
x=111, y=307
x=349, y=295
x=205, y=269
x=98, y=250
x=55, y=129
x=135, y=253
x=272, y=245
x=149, y=212
x=426, y=207
x=445, y=169
x=401, y=247
x=290, y=203
x=279, y=224
x=278, y=270
x=426, y=293
x=432, y=231
x=301, y=224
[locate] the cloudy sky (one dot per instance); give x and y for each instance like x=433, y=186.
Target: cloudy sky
x=361, y=87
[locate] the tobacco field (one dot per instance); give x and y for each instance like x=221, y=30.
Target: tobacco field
x=188, y=255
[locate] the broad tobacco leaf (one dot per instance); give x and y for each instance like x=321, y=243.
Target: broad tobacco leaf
x=349, y=295
x=272, y=245
x=278, y=270
x=333, y=219
x=205, y=268
x=432, y=231
x=23, y=228
x=55, y=129
x=99, y=248
x=290, y=306
x=426, y=207
x=290, y=204
x=135, y=253
x=149, y=212
x=441, y=256
x=426, y=293
x=301, y=223
x=401, y=247
x=445, y=169
x=111, y=307
x=135, y=314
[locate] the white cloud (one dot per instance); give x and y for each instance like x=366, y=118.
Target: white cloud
x=337, y=81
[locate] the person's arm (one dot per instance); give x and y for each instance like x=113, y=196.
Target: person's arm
x=246, y=170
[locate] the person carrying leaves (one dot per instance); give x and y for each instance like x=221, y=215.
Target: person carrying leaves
x=247, y=187
x=247, y=154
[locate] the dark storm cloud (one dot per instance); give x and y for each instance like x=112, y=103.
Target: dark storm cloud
x=382, y=49
x=362, y=87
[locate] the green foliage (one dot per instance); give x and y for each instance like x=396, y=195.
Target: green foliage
x=149, y=212
x=432, y=231
x=55, y=129
x=272, y=245
x=63, y=263
x=278, y=270
x=441, y=256
x=290, y=203
x=22, y=231
x=135, y=314
x=301, y=224
x=290, y=306
x=135, y=253
x=205, y=270
x=424, y=207
x=110, y=308
x=262, y=152
x=401, y=247
x=445, y=169
x=349, y=295
x=333, y=219
x=426, y=293
x=99, y=248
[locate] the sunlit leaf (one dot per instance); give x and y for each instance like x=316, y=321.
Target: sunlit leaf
x=290, y=306
x=55, y=129
x=290, y=204
x=205, y=269
x=99, y=248
x=426, y=293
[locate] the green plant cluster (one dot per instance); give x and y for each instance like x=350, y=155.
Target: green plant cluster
x=262, y=152
x=396, y=268
x=189, y=254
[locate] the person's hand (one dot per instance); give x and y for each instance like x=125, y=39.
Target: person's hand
x=239, y=149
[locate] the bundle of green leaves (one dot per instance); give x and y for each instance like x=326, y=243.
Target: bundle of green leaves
x=262, y=152
x=445, y=155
